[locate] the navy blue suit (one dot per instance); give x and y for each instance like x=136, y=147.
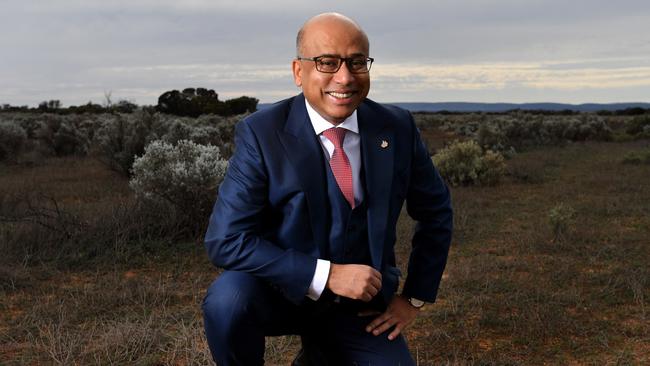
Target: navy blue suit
x=270, y=224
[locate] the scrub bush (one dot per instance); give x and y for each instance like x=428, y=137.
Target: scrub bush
x=639, y=126
x=12, y=139
x=123, y=137
x=184, y=176
x=637, y=157
x=516, y=131
x=465, y=163
x=69, y=140
x=561, y=219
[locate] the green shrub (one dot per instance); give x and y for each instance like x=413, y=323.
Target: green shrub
x=561, y=219
x=517, y=131
x=637, y=157
x=12, y=139
x=465, y=163
x=122, y=137
x=70, y=140
x=184, y=176
x=639, y=125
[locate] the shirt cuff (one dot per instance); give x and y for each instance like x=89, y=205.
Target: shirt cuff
x=320, y=279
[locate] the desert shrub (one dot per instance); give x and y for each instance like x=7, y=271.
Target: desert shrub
x=639, y=126
x=32, y=126
x=492, y=168
x=184, y=175
x=176, y=130
x=218, y=131
x=561, y=219
x=12, y=139
x=37, y=228
x=518, y=131
x=121, y=138
x=637, y=157
x=69, y=140
x=465, y=163
x=53, y=134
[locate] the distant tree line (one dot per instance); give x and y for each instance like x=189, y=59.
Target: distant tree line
x=54, y=106
x=191, y=102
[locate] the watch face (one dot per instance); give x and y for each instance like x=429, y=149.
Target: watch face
x=416, y=303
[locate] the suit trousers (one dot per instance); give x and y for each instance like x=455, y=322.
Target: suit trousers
x=240, y=310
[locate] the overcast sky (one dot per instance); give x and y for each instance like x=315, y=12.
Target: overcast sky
x=570, y=51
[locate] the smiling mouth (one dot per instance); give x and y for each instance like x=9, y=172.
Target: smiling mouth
x=341, y=95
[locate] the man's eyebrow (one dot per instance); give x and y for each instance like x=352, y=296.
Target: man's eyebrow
x=337, y=55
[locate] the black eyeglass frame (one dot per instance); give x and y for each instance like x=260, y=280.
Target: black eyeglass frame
x=347, y=60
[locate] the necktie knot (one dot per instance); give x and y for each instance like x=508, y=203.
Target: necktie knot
x=336, y=136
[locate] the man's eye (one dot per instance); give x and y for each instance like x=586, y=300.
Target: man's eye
x=358, y=62
x=328, y=62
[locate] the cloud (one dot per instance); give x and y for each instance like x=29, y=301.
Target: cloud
x=501, y=75
x=74, y=50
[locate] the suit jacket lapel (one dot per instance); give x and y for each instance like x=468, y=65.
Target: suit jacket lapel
x=305, y=154
x=377, y=154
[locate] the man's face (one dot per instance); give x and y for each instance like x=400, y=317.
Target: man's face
x=334, y=96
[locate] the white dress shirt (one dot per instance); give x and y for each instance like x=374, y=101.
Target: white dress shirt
x=351, y=146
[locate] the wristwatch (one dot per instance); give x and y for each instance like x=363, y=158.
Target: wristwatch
x=415, y=302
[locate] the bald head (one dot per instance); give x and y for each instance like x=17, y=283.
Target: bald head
x=326, y=21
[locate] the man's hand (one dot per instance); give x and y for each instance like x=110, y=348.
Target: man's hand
x=356, y=281
x=399, y=314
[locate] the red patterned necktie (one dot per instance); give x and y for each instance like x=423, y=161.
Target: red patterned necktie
x=340, y=164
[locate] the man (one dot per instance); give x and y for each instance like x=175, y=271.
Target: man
x=305, y=220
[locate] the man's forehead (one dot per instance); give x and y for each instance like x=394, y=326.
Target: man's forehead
x=329, y=40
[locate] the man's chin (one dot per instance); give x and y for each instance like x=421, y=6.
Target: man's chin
x=339, y=115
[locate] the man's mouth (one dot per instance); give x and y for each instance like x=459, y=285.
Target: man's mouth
x=340, y=95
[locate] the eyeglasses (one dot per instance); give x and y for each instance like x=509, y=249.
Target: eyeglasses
x=332, y=64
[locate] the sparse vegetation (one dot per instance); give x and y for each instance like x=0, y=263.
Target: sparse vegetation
x=637, y=157
x=89, y=275
x=561, y=218
x=639, y=126
x=115, y=139
x=12, y=139
x=465, y=163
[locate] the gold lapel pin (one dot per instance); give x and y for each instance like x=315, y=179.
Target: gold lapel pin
x=384, y=144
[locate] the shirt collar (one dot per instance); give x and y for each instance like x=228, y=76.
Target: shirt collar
x=320, y=124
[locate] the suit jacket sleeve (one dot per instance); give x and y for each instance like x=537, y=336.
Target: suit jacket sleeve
x=428, y=202
x=235, y=237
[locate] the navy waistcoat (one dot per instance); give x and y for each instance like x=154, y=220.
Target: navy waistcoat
x=348, y=229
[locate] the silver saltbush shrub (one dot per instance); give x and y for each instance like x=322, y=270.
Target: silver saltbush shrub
x=516, y=131
x=465, y=163
x=12, y=139
x=185, y=176
x=122, y=137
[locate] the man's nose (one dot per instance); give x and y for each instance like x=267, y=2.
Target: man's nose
x=344, y=76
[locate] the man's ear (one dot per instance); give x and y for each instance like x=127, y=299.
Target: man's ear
x=297, y=72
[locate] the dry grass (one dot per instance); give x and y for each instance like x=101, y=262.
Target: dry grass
x=512, y=294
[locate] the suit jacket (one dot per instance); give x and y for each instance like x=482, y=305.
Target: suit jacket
x=269, y=219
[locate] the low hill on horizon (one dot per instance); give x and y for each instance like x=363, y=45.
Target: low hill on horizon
x=504, y=107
